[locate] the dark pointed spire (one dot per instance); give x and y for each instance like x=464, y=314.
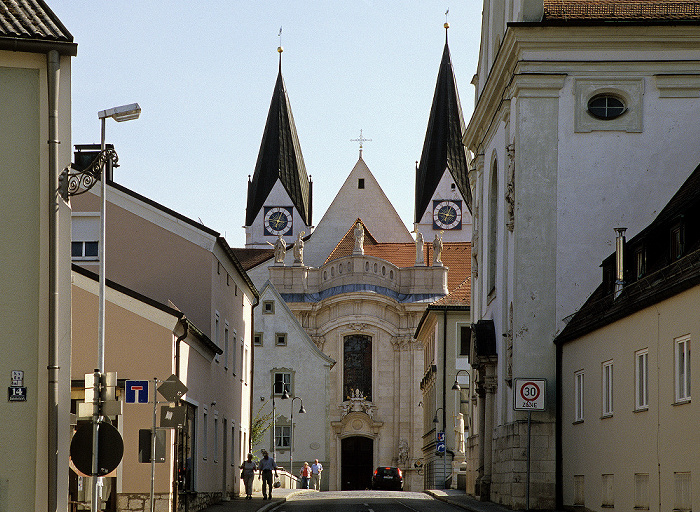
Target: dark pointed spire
x=443, y=148
x=279, y=158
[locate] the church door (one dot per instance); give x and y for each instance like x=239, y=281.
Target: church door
x=356, y=464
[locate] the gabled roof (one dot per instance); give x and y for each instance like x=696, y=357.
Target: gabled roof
x=250, y=258
x=26, y=25
x=443, y=148
x=279, y=158
x=620, y=10
x=347, y=243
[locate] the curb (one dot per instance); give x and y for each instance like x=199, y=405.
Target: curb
x=274, y=504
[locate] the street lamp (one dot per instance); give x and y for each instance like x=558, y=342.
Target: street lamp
x=291, y=431
x=456, y=386
x=444, y=453
x=119, y=114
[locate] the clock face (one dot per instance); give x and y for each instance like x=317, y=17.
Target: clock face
x=447, y=214
x=278, y=220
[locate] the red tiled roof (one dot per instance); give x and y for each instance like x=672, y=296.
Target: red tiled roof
x=621, y=10
x=460, y=296
x=455, y=255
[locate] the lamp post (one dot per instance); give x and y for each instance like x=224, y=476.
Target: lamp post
x=444, y=453
x=457, y=387
x=291, y=431
x=119, y=114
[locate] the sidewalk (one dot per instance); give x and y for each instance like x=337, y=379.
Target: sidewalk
x=462, y=500
x=257, y=504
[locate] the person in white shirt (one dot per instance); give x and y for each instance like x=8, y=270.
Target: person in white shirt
x=316, y=469
x=267, y=466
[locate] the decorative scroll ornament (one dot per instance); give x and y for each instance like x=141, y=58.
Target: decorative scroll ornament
x=72, y=182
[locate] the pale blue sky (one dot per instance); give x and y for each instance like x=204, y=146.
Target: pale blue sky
x=204, y=72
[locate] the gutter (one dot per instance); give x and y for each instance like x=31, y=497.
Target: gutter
x=19, y=44
x=53, y=73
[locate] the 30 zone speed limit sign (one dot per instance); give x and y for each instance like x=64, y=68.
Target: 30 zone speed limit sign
x=529, y=394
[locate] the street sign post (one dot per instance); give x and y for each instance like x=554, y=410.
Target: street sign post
x=529, y=395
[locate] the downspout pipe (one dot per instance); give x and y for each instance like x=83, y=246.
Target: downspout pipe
x=249, y=448
x=185, y=331
x=53, y=74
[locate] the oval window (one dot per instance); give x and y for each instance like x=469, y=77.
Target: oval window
x=606, y=106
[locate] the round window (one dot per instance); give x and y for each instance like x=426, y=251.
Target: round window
x=606, y=106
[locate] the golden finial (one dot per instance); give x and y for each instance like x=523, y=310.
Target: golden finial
x=446, y=25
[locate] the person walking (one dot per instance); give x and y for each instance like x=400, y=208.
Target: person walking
x=305, y=475
x=267, y=466
x=316, y=469
x=248, y=474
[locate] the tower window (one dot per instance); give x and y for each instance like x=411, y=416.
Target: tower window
x=453, y=186
x=606, y=106
x=361, y=183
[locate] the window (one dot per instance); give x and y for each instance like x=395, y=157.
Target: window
x=258, y=339
x=226, y=345
x=492, y=232
x=607, y=395
x=281, y=339
x=216, y=334
x=641, y=379
x=357, y=365
x=233, y=353
x=216, y=439
x=606, y=106
x=205, y=441
x=682, y=501
x=465, y=338
x=578, y=396
x=676, y=242
x=683, y=369
x=361, y=183
x=233, y=444
x=579, y=491
x=641, y=491
x=607, y=491
x=269, y=307
x=283, y=381
x=282, y=436
x=640, y=259
x=84, y=250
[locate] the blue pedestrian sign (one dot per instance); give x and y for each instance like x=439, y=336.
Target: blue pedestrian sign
x=136, y=392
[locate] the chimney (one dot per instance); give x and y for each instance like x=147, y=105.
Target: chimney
x=619, y=261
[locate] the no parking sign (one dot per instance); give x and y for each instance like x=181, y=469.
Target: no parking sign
x=529, y=394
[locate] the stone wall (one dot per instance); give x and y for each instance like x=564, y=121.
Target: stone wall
x=509, y=478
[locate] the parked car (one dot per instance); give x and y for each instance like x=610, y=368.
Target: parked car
x=390, y=479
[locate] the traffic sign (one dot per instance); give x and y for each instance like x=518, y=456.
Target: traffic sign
x=172, y=389
x=440, y=447
x=110, y=449
x=136, y=391
x=441, y=436
x=529, y=394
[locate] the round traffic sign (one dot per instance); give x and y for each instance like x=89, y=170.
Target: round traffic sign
x=530, y=391
x=110, y=448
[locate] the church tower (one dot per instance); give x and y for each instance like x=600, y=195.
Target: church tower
x=279, y=194
x=443, y=197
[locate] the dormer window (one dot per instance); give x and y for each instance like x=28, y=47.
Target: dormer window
x=640, y=262
x=676, y=241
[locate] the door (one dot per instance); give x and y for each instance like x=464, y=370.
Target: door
x=356, y=464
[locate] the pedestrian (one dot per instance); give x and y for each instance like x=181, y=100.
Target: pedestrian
x=305, y=475
x=267, y=466
x=247, y=475
x=316, y=469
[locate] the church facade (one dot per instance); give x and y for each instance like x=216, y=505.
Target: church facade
x=358, y=285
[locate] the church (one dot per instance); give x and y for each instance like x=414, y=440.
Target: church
x=341, y=300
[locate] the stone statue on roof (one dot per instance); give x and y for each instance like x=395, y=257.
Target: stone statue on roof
x=299, y=249
x=280, y=250
x=420, y=257
x=437, y=250
x=359, y=239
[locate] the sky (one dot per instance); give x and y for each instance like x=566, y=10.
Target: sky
x=204, y=73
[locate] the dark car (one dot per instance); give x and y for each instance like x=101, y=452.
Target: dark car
x=387, y=478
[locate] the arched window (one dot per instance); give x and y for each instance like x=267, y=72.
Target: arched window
x=357, y=365
x=492, y=232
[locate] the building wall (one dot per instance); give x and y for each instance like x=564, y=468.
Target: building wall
x=24, y=309
x=568, y=173
x=309, y=369
x=659, y=441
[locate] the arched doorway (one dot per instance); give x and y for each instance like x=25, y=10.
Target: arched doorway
x=356, y=463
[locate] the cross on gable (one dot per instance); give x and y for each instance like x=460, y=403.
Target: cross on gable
x=361, y=139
